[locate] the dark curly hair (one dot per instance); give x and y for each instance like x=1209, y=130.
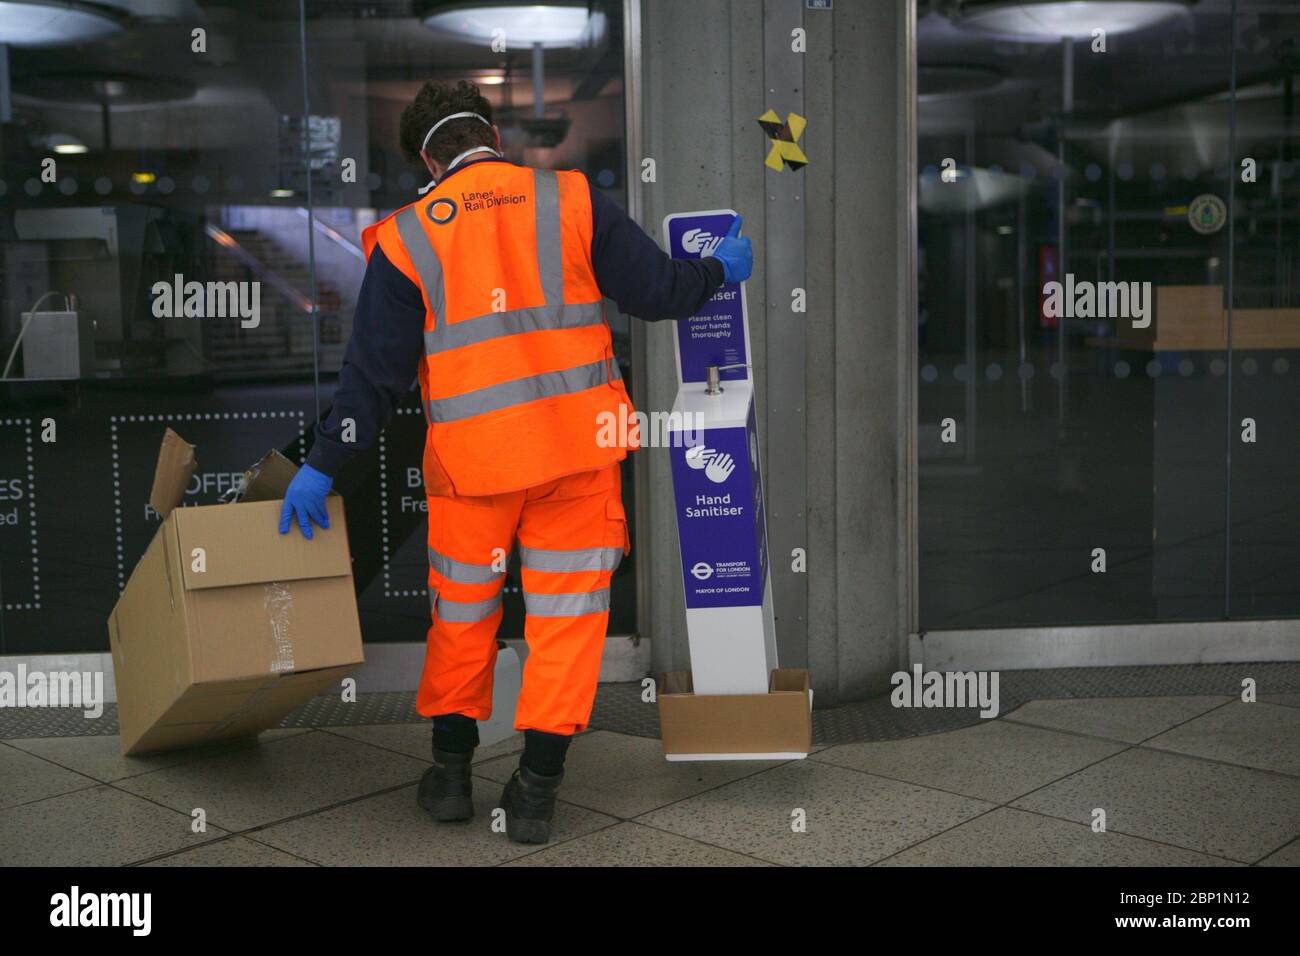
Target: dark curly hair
x=434, y=101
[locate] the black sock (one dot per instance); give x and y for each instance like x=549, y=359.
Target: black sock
x=544, y=753
x=455, y=733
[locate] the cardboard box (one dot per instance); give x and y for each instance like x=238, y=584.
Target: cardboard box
x=772, y=726
x=225, y=625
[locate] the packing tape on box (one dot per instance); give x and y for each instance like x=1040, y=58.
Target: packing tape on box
x=279, y=606
x=278, y=602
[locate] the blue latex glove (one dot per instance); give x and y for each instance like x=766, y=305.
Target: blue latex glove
x=736, y=254
x=305, y=500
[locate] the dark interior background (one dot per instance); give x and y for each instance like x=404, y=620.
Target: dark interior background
x=215, y=164
x=1071, y=436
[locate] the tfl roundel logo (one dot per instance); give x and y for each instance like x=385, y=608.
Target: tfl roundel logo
x=442, y=211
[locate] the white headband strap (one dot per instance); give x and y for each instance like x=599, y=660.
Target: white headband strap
x=453, y=116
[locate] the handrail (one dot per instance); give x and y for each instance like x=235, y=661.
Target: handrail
x=334, y=236
x=268, y=275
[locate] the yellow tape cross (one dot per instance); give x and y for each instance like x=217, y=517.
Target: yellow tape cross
x=785, y=153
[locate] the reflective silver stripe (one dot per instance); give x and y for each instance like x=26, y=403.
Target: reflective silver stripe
x=550, y=266
x=425, y=260
x=464, y=612
x=517, y=391
x=494, y=325
x=460, y=571
x=566, y=605
x=579, y=559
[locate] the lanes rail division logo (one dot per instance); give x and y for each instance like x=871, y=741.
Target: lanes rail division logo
x=442, y=210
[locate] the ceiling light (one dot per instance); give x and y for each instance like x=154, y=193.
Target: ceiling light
x=492, y=79
x=553, y=25
x=49, y=23
x=281, y=193
x=1076, y=19
x=65, y=145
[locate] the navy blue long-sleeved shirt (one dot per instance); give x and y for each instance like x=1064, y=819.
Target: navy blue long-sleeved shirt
x=387, y=343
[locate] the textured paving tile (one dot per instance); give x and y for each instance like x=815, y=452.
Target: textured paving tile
x=97, y=826
x=1264, y=736
x=1284, y=700
x=236, y=851
x=1288, y=855
x=995, y=761
x=630, y=844
x=852, y=819
x=101, y=757
x=390, y=830
x=1009, y=837
x=625, y=776
x=24, y=778
x=1234, y=812
x=415, y=740
x=1131, y=719
x=257, y=785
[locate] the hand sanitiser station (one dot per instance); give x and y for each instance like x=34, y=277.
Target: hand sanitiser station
x=717, y=483
x=741, y=705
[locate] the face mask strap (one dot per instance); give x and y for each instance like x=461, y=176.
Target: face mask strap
x=434, y=128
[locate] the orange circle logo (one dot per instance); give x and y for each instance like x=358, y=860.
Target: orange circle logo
x=442, y=211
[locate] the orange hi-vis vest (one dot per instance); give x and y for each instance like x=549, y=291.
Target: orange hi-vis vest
x=519, y=371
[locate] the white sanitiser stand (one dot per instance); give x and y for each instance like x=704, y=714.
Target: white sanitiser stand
x=717, y=483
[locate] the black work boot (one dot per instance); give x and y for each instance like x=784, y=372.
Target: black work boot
x=529, y=803
x=446, y=789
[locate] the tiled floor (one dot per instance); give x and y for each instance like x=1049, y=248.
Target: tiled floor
x=1178, y=781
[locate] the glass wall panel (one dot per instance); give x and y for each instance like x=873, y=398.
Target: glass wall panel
x=554, y=77
x=1074, y=259
x=1264, y=429
x=137, y=151
x=183, y=147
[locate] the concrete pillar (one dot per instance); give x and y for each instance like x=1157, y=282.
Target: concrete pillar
x=836, y=429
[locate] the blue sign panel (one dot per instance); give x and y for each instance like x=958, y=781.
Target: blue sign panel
x=716, y=334
x=720, y=518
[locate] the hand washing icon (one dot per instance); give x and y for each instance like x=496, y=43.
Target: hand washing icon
x=717, y=466
x=700, y=241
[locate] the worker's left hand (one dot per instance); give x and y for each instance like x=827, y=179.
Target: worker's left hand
x=305, y=500
x=736, y=254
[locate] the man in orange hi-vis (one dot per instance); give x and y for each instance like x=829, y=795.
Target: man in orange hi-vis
x=488, y=290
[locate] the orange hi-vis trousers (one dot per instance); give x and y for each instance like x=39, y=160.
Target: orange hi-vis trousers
x=572, y=534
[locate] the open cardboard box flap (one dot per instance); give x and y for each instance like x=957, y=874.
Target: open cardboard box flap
x=242, y=544
x=269, y=479
x=176, y=464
